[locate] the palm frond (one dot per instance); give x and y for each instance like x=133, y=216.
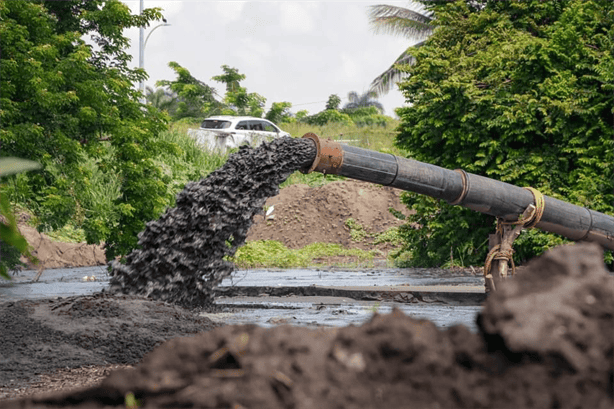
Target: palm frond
x=400, y=21
x=385, y=82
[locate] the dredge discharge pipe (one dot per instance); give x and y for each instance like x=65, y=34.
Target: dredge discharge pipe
x=458, y=187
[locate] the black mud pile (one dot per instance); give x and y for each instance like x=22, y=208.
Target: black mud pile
x=181, y=255
x=41, y=336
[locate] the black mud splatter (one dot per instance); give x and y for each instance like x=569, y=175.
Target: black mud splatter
x=181, y=255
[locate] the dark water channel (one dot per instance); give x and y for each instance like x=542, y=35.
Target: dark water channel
x=294, y=296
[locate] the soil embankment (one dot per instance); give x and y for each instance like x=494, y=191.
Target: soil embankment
x=301, y=215
x=54, y=254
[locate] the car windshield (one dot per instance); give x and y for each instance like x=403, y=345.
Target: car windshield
x=215, y=124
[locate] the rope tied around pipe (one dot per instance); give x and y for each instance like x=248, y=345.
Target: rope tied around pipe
x=503, y=251
x=535, y=215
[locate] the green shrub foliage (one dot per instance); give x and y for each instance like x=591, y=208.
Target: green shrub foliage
x=73, y=107
x=520, y=92
x=367, y=116
x=328, y=116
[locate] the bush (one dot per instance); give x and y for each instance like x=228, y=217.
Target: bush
x=328, y=116
x=520, y=92
x=368, y=116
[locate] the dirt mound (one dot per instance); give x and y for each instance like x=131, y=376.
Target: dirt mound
x=546, y=341
x=302, y=215
x=44, y=335
x=561, y=311
x=52, y=254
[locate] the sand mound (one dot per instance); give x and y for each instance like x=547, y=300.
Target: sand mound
x=302, y=215
x=546, y=342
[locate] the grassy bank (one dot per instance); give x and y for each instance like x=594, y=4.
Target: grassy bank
x=273, y=254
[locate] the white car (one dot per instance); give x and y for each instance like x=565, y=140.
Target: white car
x=225, y=132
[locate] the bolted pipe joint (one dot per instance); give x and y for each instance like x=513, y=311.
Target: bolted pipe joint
x=329, y=156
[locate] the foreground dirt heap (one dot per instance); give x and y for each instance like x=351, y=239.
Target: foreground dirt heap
x=547, y=341
x=182, y=254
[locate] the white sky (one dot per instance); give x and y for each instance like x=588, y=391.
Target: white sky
x=295, y=51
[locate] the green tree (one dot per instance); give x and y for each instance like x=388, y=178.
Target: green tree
x=12, y=244
x=367, y=116
x=328, y=116
x=163, y=99
x=237, y=98
x=65, y=102
x=279, y=112
x=230, y=77
x=333, y=102
x=516, y=91
x=404, y=22
x=195, y=98
x=256, y=104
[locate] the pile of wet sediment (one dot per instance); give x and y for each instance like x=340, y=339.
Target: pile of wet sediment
x=181, y=255
x=44, y=335
x=546, y=340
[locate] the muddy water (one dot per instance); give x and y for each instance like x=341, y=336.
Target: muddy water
x=56, y=282
x=268, y=311
x=335, y=312
x=347, y=277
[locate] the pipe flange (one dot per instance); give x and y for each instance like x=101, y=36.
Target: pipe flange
x=316, y=141
x=329, y=157
x=465, y=179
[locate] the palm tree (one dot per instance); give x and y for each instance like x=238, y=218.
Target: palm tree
x=366, y=99
x=404, y=22
x=161, y=98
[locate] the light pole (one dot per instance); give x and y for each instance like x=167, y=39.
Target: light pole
x=142, y=45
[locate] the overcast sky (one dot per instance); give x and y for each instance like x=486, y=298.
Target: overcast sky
x=295, y=51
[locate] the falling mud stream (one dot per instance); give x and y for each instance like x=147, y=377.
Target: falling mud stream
x=181, y=255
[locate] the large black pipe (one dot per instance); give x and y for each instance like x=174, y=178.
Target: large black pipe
x=458, y=187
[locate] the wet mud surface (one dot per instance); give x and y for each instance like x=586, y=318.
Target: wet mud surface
x=182, y=253
x=322, y=311
x=40, y=336
x=311, y=297
x=545, y=340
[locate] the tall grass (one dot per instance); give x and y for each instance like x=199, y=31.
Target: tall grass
x=190, y=154
x=376, y=138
